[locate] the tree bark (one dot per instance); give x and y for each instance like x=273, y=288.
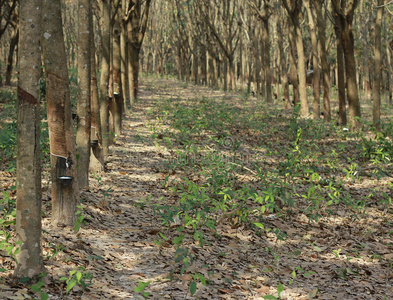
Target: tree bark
x=96, y=154
x=28, y=169
x=283, y=62
x=378, y=64
x=321, y=24
x=390, y=72
x=195, y=62
x=136, y=31
x=292, y=63
x=117, y=101
x=13, y=44
x=266, y=53
x=105, y=7
x=345, y=18
x=315, y=59
x=65, y=193
x=124, y=59
x=342, y=119
x=84, y=90
x=293, y=8
x=364, y=24
x=266, y=56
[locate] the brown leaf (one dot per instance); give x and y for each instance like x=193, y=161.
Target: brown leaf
x=312, y=294
x=154, y=231
x=263, y=290
x=186, y=277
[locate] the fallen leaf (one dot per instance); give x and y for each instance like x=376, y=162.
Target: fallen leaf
x=312, y=294
x=263, y=290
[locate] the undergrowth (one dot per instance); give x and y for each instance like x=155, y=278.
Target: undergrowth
x=246, y=165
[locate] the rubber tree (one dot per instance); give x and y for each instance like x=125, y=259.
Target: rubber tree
x=116, y=105
x=84, y=91
x=65, y=192
x=97, y=163
x=136, y=20
x=124, y=58
x=292, y=63
x=377, y=65
x=321, y=25
x=293, y=8
x=221, y=18
x=264, y=14
x=342, y=117
x=345, y=11
x=28, y=164
x=282, y=58
x=13, y=42
x=315, y=58
x=6, y=10
x=105, y=20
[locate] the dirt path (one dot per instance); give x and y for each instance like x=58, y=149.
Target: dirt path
x=120, y=231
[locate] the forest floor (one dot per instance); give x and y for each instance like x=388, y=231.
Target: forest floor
x=213, y=195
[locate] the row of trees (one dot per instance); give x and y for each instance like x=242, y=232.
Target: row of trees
x=120, y=27
x=266, y=45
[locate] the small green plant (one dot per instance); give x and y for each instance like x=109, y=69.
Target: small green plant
x=280, y=289
x=8, y=141
x=7, y=221
x=37, y=288
x=78, y=277
x=193, y=284
x=141, y=289
x=352, y=172
x=305, y=273
x=80, y=219
x=337, y=253
x=142, y=203
x=162, y=240
x=54, y=250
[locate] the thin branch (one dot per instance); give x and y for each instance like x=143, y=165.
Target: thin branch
x=383, y=5
x=115, y=12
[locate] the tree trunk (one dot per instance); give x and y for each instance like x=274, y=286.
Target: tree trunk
x=136, y=28
x=134, y=71
x=390, y=72
x=124, y=60
x=1, y=71
x=257, y=64
x=13, y=43
x=301, y=67
x=263, y=68
x=28, y=169
x=345, y=17
x=105, y=7
x=293, y=7
x=266, y=56
x=195, y=62
x=283, y=62
x=377, y=72
x=321, y=24
x=292, y=62
x=231, y=73
x=96, y=154
x=83, y=105
x=117, y=101
x=342, y=120
x=365, y=31
x=65, y=193
x=315, y=60
x=241, y=64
